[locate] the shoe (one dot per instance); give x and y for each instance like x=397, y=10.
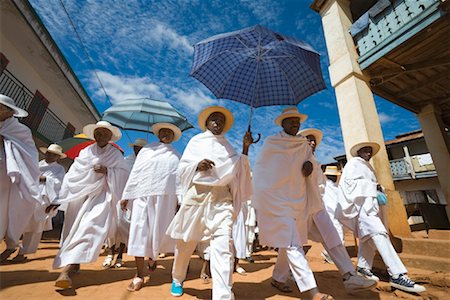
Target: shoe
x=20, y=258
x=63, y=281
x=177, y=289
x=136, y=284
x=404, y=283
x=356, y=283
x=108, y=262
x=119, y=263
x=281, y=286
x=366, y=273
x=241, y=271
x=161, y=255
x=249, y=259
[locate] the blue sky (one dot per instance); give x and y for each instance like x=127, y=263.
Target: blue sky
x=144, y=49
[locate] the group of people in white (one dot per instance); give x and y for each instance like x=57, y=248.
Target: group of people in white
x=157, y=201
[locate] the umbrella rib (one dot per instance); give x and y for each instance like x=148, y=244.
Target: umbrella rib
x=291, y=91
x=240, y=41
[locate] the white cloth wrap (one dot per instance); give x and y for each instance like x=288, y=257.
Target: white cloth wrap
x=92, y=199
x=283, y=197
x=228, y=181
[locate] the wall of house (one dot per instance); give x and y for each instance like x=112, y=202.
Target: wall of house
x=422, y=184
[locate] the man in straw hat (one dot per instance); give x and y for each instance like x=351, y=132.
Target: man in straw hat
x=321, y=228
x=92, y=188
x=154, y=193
x=214, y=180
x=19, y=175
x=120, y=228
x=283, y=199
x=358, y=210
x=50, y=180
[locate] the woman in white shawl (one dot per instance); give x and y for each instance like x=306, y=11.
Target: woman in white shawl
x=214, y=181
x=154, y=194
x=19, y=175
x=52, y=174
x=92, y=188
x=358, y=210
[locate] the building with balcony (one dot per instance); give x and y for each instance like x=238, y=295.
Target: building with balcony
x=34, y=72
x=400, y=51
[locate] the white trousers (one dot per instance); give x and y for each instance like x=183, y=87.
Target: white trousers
x=221, y=264
x=30, y=242
x=293, y=258
x=382, y=243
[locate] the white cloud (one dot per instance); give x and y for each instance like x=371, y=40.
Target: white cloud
x=120, y=88
x=385, y=118
x=193, y=99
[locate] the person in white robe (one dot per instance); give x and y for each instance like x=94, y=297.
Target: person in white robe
x=154, y=192
x=92, y=188
x=330, y=198
x=285, y=193
x=52, y=174
x=250, y=228
x=121, y=225
x=321, y=229
x=240, y=239
x=19, y=175
x=358, y=210
x=214, y=181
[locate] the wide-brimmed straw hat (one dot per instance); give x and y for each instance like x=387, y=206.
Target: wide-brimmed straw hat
x=314, y=132
x=375, y=148
x=332, y=171
x=203, y=116
x=138, y=142
x=53, y=148
x=9, y=102
x=176, y=131
x=88, y=130
x=289, y=113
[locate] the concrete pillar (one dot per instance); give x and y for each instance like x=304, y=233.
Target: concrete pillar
x=438, y=144
x=357, y=111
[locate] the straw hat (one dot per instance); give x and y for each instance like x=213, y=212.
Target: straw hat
x=332, y=170
x=203, y=116
x=289, y=113
x=53, y=148
x=138, y=142
x=375, y=148
x=88, y=130
x=176, y=131
x=7, y=101
x=314, y=132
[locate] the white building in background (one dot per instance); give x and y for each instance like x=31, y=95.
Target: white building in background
x=34, y=72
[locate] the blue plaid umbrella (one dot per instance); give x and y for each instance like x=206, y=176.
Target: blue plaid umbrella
x=141, y=114
x=258, y=67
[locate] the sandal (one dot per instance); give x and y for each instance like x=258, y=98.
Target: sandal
x=241, y=271
x=20, y=258
x=136, y=284
x=205, y=278
x=281, y=286
x=108, y=262
x=322, y=296
x=63, y=281
x=152, y=267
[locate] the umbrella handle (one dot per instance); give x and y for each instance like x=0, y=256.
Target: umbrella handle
x=249, y=129
x=257, y=140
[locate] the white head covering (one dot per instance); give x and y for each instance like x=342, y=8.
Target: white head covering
x=138, y=142
x=176, y=131
x=88, y=130
x=375, y=148
x=53, y=148
x=9, y=102
x=289, y=113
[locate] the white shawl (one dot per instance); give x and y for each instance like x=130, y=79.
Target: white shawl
x=21, y=158
x=54, y=175
x=154, y=172
x=280, y=189
x=230, y=168
x=358, y=182
x=81, y=180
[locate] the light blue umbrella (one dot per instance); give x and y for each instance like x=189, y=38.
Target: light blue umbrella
x=141, y=114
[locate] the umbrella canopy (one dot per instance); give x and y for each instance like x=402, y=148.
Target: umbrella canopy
x=141, y=114
x=73, y=145
x=258, y=67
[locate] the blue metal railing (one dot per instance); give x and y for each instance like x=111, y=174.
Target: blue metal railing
x=396, y=24
x=51, y=127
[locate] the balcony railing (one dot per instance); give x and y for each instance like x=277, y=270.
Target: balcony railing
x=403, y=169
x=393, y=26
x=50, y=127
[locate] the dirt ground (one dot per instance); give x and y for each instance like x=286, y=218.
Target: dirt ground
x=34, y=279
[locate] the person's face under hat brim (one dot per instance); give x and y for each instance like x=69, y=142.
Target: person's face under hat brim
x=203, y=116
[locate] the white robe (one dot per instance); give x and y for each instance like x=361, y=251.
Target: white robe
x=228, y=182
x=283, y=197
x=92, y=199
x=49, y=191
x=19, y=180
x=153, y=191
x=357, y=199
